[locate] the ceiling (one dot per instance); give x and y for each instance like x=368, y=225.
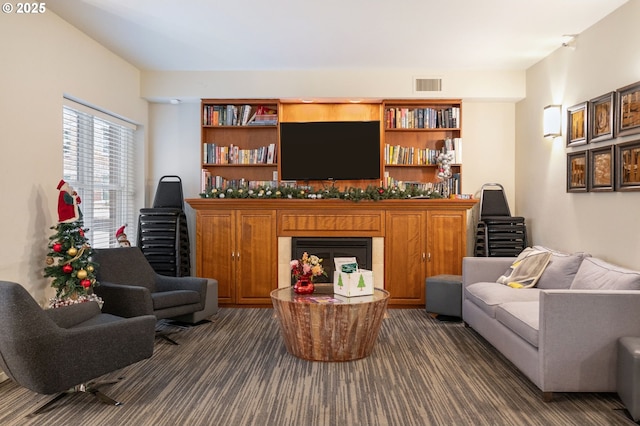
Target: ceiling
x=433, y=35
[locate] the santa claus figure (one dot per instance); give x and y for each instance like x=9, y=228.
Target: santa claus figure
x=122, y=237
x=68, y=200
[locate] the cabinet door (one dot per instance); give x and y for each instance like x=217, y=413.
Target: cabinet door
x=256, y=256
x=404, y=249
x=215, y=250
x=446, y=242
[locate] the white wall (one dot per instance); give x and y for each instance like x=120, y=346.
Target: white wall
x=606, y=225
x=43, y=58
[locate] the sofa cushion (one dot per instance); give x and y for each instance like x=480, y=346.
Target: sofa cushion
x=487, y=296
x=523, y=318
x=169, y=299
x=526, y=269
x=596, y=274
x=561, y=269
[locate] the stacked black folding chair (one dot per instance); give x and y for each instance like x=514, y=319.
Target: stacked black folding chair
x=163, y=236
x=498, y=234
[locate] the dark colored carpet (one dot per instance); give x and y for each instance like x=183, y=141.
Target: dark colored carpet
x=236, y=371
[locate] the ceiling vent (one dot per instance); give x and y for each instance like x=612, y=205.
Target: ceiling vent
x=427, y=85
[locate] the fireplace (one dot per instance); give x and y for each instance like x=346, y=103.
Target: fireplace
x=328, y=248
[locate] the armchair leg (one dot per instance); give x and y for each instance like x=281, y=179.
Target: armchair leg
x=167, y=338
x=91, y=388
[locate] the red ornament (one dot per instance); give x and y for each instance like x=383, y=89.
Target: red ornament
x=81, y=232
x=85, y=283
x=67, y=269
x=57, y=247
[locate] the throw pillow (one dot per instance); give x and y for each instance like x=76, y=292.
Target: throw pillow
x=525, y=271
x=561, y=270
x=596, y=274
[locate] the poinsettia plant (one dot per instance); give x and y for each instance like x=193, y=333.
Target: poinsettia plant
x=309, y=266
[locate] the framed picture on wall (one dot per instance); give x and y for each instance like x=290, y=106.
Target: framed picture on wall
x=601, y=118
x=577, y=124
x=628, y=166
x=601, y=171
x=628, y=110
x=577, y=171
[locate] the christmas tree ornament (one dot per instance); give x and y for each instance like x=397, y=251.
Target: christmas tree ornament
x=90, y=268
x=67, y=269
x=82, y=274
x=81, y=232
x=49, y=260
x=57, y=247
x=85, y=283
x=72, y=251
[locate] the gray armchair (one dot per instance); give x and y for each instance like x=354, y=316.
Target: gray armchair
x=55, y=350
x=130, y=287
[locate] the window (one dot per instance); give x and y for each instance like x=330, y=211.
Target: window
x=98, y=161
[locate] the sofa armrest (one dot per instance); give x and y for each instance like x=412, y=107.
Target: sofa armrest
x=484, y=269
x=125, y=300
x=578, y=334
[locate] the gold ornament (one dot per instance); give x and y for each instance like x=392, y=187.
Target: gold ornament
x=72, y=251
x=82, y=274
x=90, y=268
x=49, y=260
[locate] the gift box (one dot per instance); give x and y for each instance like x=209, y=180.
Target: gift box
x=357, y=283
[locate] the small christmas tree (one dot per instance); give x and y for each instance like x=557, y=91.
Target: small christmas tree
x=69, y=258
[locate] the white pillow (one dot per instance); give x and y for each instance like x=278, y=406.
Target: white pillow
x=525, y=271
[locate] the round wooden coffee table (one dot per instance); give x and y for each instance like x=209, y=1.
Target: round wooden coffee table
x=326, y=327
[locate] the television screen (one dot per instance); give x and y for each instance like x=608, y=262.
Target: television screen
x=330, y=150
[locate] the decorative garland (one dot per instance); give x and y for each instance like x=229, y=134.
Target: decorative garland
x=372, y=193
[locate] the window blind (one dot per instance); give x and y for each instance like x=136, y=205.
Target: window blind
x=98, y=163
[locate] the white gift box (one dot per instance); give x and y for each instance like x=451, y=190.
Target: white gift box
x=359, y=283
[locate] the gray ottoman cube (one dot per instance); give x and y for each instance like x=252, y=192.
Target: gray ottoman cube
x=443, y=294
x=628, y=374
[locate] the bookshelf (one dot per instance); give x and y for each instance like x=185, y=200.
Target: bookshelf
x=239, y=142
x=240, y=139
x=415, y=132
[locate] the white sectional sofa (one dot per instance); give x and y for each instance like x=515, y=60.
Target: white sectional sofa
x=562, y=333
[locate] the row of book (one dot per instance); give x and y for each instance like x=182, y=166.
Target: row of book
x=451, y=186
x=210, y=181
x=239, y=115
x=232, y=154
x=397, y=154
x=422, y=118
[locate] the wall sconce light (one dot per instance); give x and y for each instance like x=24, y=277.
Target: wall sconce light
x=552, y=120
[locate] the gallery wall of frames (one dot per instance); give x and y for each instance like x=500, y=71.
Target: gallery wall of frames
x=609, y=161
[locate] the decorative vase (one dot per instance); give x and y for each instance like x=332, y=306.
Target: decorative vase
x=303, y=285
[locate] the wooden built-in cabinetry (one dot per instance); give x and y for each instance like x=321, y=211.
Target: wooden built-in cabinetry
x=418, y=130
x=239, y=249
x=406, y=133
x=236, y=240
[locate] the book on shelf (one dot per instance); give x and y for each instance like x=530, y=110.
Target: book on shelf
x=422, y=118
x=401, y=155
x=232, y=154
x=210, y=181
x=239, y=115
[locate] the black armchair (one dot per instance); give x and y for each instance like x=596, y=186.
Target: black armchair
x=130, y=287
x=55, y=350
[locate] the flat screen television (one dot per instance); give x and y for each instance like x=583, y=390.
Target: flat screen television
x=330, y=150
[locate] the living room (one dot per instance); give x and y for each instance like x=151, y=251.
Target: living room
x=46, y=58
